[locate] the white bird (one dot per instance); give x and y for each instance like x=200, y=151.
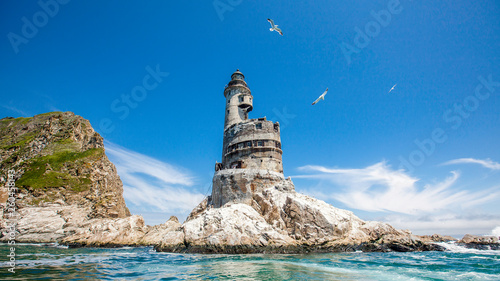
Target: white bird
x=392, y=88
x=322, y=97
x=274, y=27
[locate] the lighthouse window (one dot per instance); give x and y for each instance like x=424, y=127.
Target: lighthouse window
x=260, y=143
x=240, y=145
x=228, y=111
x=248, y=143
x=258, y=126
x=242, y=99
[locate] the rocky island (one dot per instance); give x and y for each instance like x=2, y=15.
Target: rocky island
x=253, y=208
x=70, y=193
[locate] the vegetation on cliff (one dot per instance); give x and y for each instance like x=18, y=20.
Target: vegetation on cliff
x=58, y=157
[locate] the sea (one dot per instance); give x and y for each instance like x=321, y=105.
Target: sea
x=54, y=262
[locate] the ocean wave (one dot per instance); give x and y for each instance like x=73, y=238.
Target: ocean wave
x=459, y=263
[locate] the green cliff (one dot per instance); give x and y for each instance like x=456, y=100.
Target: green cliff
x=59, y=159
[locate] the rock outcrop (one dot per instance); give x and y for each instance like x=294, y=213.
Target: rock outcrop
x=58, y=157
x=436, y=238
x=480, y=242
x=263, y=213
x=68, y=191
x=64, y=179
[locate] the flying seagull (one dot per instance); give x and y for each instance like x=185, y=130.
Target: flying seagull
x=274, y=27
x=392, y=88
x=322, y=97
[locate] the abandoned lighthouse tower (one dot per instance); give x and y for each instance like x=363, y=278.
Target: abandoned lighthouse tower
x=248, y=143
x=251, y=149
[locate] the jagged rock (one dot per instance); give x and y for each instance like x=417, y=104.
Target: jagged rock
x=274, y=218
x=156, y=233
x=480, y=242
x=225, y=230
x=64, y=179
x=68, y=190
x=108, y=232
x=198, y=209
x=478, y=239
x=58, y=157
x=437, y=238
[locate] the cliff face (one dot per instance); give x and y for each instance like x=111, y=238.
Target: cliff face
x=59, y=159
x=68, y=190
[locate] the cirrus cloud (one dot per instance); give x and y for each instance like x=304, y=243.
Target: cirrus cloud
x=487, y=163
x=153, y=185
x=380, y=188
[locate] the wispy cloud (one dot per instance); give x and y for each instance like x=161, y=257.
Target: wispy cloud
x=380, y=188
x=487, y=163
x=14, y=109
x=151, y=184
x=52, y=108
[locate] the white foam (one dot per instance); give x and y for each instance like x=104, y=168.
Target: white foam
x=54, y=245
x=476, y=276
x=496, y=231
x=453, y=247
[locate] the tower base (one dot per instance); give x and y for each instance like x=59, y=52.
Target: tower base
x=239, y=185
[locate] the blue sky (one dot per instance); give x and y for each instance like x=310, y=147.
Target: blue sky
x=150, y=77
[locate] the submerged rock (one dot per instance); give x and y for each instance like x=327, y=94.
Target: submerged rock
x=480, y=242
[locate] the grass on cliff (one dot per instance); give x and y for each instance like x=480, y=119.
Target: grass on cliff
x=6, y=138
x=5, y=122
x=24, y=139
x=49, y=113
x=39, y=175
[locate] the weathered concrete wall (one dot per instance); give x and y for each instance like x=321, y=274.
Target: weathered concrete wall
x=239, y=185
x=239, y=100
x=248, y=144
x=254, y=144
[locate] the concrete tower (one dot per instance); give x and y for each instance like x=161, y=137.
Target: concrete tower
x=248, y=143
x=238, y=100
x=251, y=149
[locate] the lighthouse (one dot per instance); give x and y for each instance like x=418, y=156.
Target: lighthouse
x=248, y=143
x=238, y=100
x=251, y=148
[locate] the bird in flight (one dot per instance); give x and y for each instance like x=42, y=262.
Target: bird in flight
x=274, y=27
x=322, y=97
x=392, y=88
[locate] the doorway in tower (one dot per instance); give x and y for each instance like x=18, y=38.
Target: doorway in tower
x=236, y=165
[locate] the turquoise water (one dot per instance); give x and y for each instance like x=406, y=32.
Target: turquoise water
x=42, y=262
